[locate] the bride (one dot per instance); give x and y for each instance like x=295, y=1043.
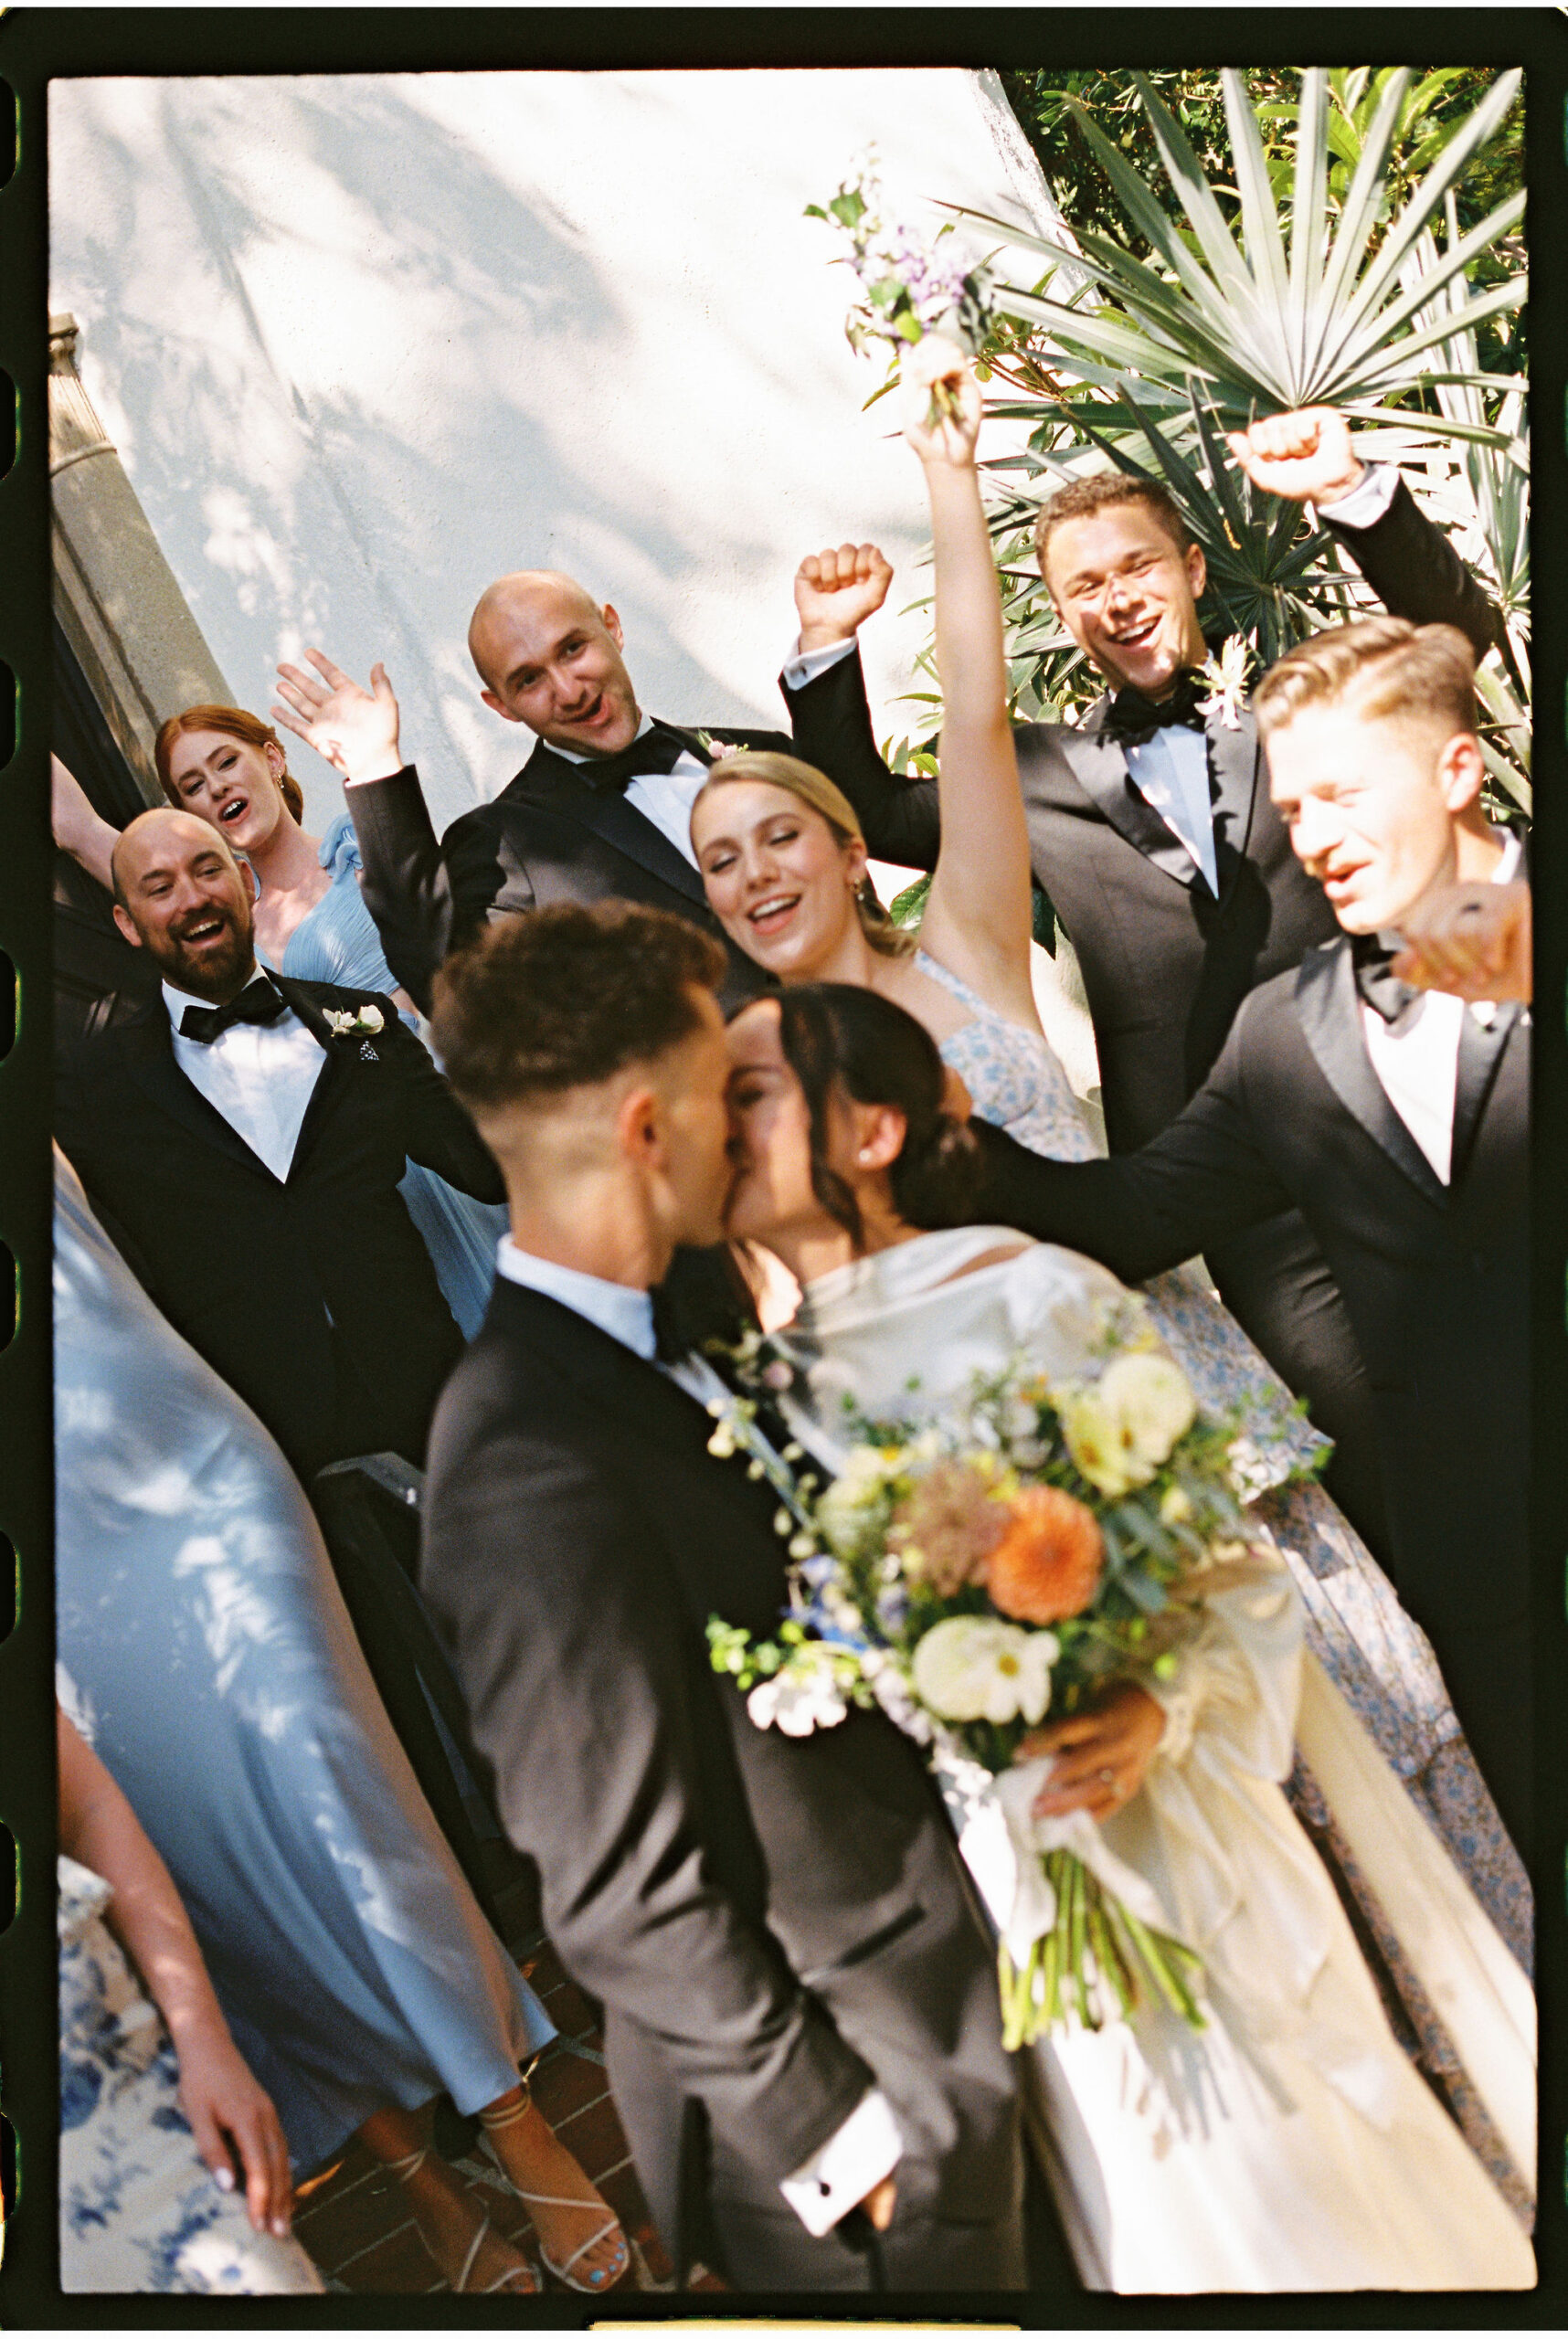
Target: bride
x=1290, y=2145
x=784, y=865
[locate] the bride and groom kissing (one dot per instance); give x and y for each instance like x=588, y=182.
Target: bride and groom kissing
x=801, y=2020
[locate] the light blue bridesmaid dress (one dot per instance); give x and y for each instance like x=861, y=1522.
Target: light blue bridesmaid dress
x=213, y=1665
x=336, y=942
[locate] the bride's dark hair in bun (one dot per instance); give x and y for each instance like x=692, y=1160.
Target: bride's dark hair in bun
x=842, y=1036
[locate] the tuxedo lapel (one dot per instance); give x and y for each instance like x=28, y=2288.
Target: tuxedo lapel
x=330, y=1077
x=1236, y=763
x=150, y=1060
x=1329, y=1008
x=615, y=1383
x=1481, y=1048
x=1100, y=766
x=606, y=811
x=629, y=1398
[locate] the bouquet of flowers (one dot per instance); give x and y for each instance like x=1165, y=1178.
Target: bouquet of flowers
x=1046, y=1542
x=908, y=287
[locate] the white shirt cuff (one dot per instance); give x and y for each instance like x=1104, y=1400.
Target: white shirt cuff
x=803, y=666
x=1367, y=501
x=841, y=2172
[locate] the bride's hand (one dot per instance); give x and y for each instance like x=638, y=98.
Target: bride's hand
x=1101, y=1756
x=355, y=729
x=935, y=360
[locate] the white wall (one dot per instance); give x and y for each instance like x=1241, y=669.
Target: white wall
x=365, y=342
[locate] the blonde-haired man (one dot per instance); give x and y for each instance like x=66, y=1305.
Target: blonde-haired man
x=1397, y=1123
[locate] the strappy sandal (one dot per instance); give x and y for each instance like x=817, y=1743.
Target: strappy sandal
x=601, y=2277
x=408, y=2168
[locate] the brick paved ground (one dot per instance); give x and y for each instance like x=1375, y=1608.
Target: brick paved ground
x=353, y=2218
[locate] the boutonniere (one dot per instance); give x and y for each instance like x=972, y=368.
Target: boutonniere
x=719, y=747
x=353, y=1024
x=1226, y=678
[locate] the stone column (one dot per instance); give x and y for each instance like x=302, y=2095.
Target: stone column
x=140, y=648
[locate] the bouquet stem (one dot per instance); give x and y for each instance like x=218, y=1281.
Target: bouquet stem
x=1135, y=1961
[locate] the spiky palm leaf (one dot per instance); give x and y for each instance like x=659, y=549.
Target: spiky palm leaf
x=1268, y=323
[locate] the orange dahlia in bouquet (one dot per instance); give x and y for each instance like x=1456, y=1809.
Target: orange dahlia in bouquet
x=1048, y=1561
x=1022, y=1554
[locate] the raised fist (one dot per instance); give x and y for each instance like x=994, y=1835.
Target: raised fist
x=1306, y=457
x=1471, y=939
x=835, y=592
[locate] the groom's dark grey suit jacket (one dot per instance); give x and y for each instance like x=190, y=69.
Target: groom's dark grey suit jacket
x=772, y=1924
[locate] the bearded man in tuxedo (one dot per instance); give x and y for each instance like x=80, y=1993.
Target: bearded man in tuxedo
x=1397, y=1123
x=802, y=2022
x=600, y=810
x=1152, y=833
x=243, y=1136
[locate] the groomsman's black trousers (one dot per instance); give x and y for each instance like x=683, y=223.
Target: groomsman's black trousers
x=1277, y=1285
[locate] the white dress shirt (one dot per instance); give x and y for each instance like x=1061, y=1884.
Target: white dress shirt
x=259, y=1076
x=666, y=798
x=867, y=2146
x=1171, y=770
x=1418, y=1060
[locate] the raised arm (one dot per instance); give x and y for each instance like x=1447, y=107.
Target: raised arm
x=78, y=830
x=978, y=916
x=1310, y=457
x=835, y=592
x=404, y=877
x=226, y=2106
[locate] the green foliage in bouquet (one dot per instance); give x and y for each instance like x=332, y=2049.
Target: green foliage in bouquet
x=1051, y=1542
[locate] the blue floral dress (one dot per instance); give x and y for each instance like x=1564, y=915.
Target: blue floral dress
x=336, y=942
x=139, y=2211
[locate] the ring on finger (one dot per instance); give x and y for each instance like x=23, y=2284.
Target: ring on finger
x=1107, y=1778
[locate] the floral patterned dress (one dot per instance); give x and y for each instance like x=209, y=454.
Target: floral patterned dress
x=138, y=2209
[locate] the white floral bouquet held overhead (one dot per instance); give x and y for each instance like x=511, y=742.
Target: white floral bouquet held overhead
x=908, y=287
x=1055, y=1541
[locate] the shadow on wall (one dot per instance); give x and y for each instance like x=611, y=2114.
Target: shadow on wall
x=301, y=480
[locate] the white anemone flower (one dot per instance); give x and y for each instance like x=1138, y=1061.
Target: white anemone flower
x=977, y=1668
x=1119, y=1431
x=800, y=1698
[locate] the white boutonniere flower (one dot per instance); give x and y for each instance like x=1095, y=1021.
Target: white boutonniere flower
x=1226, y=676
x=353, y=1024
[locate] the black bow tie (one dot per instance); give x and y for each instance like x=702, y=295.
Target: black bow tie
x=1131, y=718
x=1373, y=956
x=259, y=1002
x=659, y=749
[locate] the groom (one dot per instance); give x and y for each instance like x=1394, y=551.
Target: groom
x=801, y=2008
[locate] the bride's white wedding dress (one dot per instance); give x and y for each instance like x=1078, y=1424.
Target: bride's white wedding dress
x=1290, y=2145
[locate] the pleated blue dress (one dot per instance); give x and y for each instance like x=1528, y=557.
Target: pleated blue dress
x=212, y=1662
